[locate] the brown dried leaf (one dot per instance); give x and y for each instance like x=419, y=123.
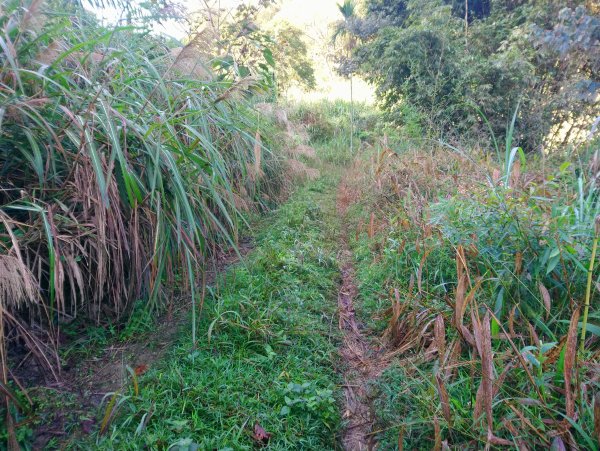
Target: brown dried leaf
x=437, y=434
x=260, y=436
x=140, y=369
x=460, y=297
x=569, y=364
x=411, y=284
x=401, y=438
x=444, y=399
x=534, y=336
x=546, y=298
x=477, y=332
x=518, y=262
x=478, y=407
x=257, y=155
x=461, y=262
x=494, y=440
x=402, y=246
x=511, y=321
x=465, y=332
x=440, y=338
x=483, y=338
x=397, y=309
x=552, y=356
x=515, y=175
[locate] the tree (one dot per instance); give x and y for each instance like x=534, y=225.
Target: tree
x=293, y=66
x=233, y=40
x=343, y=32
x=240, y=41
x=535, y=54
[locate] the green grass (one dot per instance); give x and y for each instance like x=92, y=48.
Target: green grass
x=516, y=244
x=267, y=346
x=328, y=126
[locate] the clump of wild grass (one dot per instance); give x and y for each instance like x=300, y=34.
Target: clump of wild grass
x=120, y=172
x=487, y=271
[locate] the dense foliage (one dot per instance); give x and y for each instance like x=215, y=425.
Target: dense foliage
x=246, y=40
x=463, y=74
x=120, y=171
x=477, y=280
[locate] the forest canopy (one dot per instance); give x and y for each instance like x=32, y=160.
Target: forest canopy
x=466, y=73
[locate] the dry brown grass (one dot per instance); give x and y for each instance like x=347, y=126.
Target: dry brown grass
x=421, y=320
x=17, y=284
x=298, y=171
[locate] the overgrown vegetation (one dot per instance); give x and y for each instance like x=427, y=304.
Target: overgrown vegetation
x=244, y=39
x=467, y=224
x=477, y=267
x=329, y=125
x=477, y=279
x=452, y=66
x=121, y=170
x=265, y=358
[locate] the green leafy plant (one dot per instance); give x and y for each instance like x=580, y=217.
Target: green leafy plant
x=306, y=397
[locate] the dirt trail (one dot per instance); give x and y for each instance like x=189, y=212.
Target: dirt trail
x=362, y=360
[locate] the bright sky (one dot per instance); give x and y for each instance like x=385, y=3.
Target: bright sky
x=314, y=17
x=313, y=14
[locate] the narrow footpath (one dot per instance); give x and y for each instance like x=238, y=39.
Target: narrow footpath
x=361, y=358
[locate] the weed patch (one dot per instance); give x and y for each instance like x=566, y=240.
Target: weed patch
x=477, y=287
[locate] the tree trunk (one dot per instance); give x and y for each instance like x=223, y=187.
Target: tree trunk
x=351, y=115
x=466, y=23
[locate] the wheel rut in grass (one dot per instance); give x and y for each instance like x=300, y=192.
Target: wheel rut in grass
x=362, y=360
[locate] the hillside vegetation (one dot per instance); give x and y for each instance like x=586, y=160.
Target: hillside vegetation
x=189, y=261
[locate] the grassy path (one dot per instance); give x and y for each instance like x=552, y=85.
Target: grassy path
x=265, y=368
x=282, y=359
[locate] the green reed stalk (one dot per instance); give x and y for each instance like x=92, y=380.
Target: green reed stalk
x=588, y=290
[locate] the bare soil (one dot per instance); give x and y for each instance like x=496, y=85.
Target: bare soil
x=362, y=358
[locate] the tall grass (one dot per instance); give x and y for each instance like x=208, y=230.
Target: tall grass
x=327, y=124
x=479, y=275
x=119, y=172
